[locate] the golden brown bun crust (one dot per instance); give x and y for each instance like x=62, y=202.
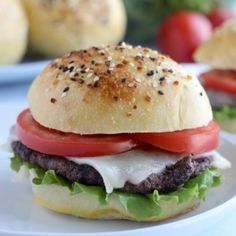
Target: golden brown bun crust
x=13, y=31
x=58, y=27
x=118, y=89
x=220, y=50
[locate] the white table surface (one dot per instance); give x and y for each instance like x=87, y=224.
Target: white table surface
x=18, y=92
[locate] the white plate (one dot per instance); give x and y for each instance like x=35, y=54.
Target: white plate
x=26, y=71
x=19, y=215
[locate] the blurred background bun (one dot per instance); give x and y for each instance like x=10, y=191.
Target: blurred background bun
x=58, y=27
x=13, y=31
x=220, y=50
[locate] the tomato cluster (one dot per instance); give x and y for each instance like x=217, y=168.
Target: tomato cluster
x=182, y=32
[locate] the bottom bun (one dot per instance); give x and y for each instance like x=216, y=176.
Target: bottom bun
x=59, y=199
x=228, y=125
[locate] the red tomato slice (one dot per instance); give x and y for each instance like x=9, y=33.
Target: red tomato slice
x=222, y=80
x=193, y=141
x=53, y=142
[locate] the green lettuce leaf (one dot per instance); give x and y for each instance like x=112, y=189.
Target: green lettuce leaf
x=141, y=206
x=225, y=112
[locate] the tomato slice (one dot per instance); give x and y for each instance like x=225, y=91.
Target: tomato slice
x=222, y=80
x=195, y=141
x=53, y=142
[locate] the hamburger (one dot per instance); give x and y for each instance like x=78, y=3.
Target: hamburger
x=117, y=132
x=220, y=81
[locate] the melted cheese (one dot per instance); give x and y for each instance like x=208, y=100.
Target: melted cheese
x=135, y=166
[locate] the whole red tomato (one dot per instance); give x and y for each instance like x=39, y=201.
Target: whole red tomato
x=218, y=16
x=181, y=33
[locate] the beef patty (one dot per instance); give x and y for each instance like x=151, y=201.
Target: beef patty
x=173, y=177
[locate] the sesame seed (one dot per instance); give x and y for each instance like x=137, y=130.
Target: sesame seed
x=123, y=80
x=108, y=71
x=71, y=62
x=82, y=71
x=71, y=68
x=65, y=69
x=131, y=85
x=160, y=92
x=150, y=73
x=129, y=113
x=93, y=62
x=73, y=79
x=139, y=54
x=176, y=82
x=63, y=95
x=89, y=75
x=109, y=58
x=134, y=107
x=201, y=94
x=170, y=71
x=95, y=48
x=154, y=84
x=115, y=98
x=95, y=85
x=107, y=63
x=152, y=58
x=162, y=78
x=96, y=79
x=82, y=66
x=81, y=81
x=119, y=65
x=53, y=100
x=66, y=89
x=132, y=64
x=147, y=98
x=87, y=69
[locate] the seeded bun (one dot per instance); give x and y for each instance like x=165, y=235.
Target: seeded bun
x=58, y=27
x=59, y=199
x=118, y=89
x=13, y=31
x=220, y=50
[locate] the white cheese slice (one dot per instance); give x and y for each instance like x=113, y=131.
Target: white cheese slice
x=136, y=165
x=133, y=166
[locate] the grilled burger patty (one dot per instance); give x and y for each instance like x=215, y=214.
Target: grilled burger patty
x=169, y=180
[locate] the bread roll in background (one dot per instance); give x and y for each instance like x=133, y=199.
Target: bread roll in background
x=13, y=31
x=220, y=50
x=60, y=26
